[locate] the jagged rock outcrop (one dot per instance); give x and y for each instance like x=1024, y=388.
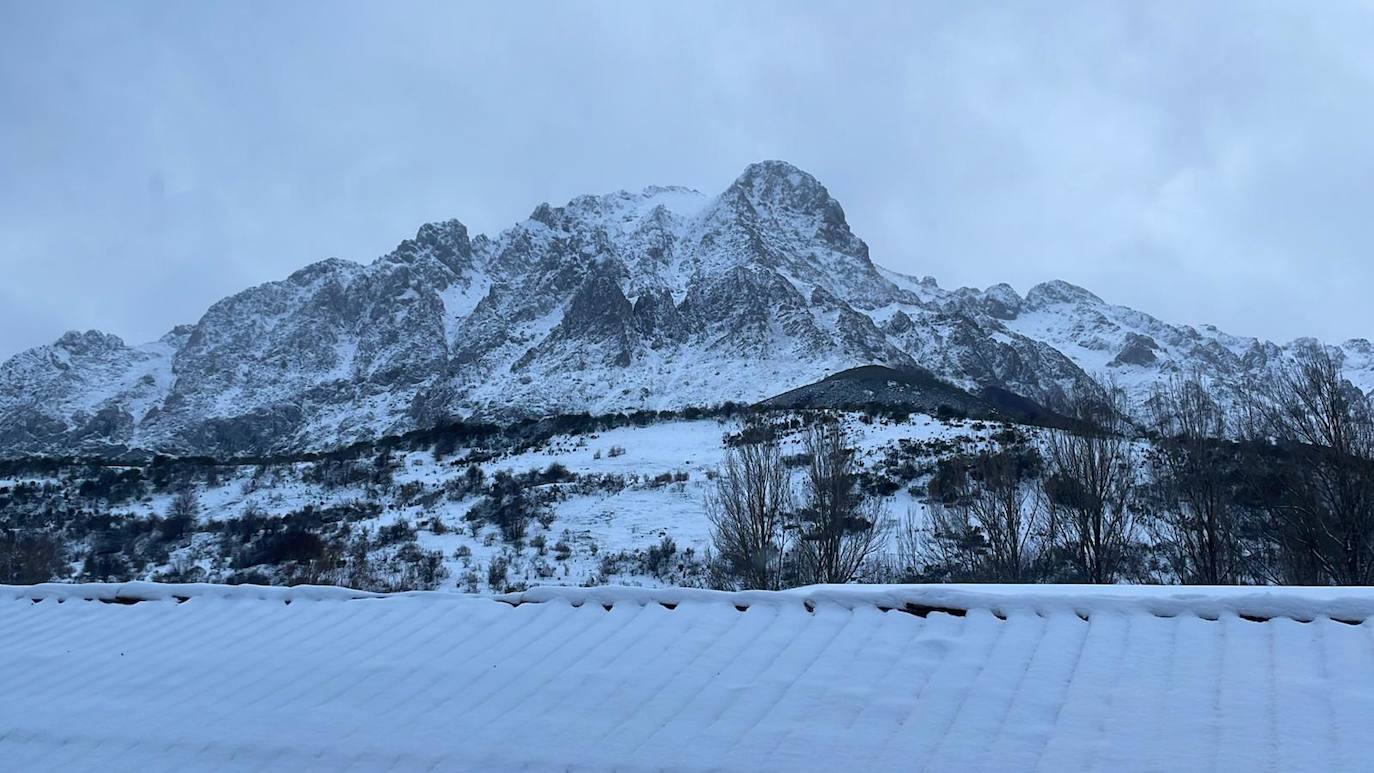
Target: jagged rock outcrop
x=658, y=299
x=1138, y=350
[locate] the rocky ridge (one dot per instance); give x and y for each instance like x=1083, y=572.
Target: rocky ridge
x=658, y=299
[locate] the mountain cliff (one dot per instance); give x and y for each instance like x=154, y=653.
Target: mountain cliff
x=658, y=299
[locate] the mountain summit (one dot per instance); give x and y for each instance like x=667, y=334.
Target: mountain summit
x=658, y=299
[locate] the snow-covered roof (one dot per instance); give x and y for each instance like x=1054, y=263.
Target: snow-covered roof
x=176, y=677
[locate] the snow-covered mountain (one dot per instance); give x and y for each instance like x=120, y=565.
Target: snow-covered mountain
x=658, y=299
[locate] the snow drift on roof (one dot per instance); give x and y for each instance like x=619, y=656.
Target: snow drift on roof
x=893, y=677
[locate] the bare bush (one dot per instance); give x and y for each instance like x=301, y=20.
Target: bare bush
x=1196, y=522
x=748, y=510
x=838, y=527
x=27, y=558
x=1001, y=505
x=1321, y=502
x=950, y=548
x=1090, y=474
x=909, y=542
x=182, y=514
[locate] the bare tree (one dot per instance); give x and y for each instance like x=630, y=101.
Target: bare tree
x=748, y=511
x=1196, y=524
x=184, y=505
x=182, y=513
x=1323, y=503
x=985, y=523
x=838, y=526
x=951, y=548
x=1001, y=505
x=909, y=544
x=31, y=557
x=1090, y=476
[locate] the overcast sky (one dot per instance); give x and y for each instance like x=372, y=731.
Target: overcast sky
x=1204, y=162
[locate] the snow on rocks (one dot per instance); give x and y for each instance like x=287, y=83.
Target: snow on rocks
x=660, y=299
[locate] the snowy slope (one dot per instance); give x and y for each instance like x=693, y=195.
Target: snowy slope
x=1139, y=350
x=626, y=490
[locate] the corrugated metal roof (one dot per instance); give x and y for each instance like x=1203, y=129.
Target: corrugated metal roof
x=902, y=678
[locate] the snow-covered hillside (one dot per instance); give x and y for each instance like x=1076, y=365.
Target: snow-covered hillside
x=607, y=501
x=659, y=299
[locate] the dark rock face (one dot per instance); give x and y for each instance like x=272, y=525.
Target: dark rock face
x=598, y=320
x=598, y=308
x=658, y=320
x=446, y=242
x=1139, y=350
x=1001, y=302
x=658, y=299
x=91, y=343
x=737, y=312
x=898, y=324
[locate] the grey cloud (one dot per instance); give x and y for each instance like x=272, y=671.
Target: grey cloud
x=1202, y=162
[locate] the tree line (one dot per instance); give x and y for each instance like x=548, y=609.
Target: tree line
x=1272, y=484
x=767, y=534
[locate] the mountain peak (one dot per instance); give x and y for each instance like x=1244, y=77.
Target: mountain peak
x=782, y=189
x=1058, y=291
x=781, y=182
x=79, y=342
x=774, y=168
x=781, y=217
x=446, y=241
